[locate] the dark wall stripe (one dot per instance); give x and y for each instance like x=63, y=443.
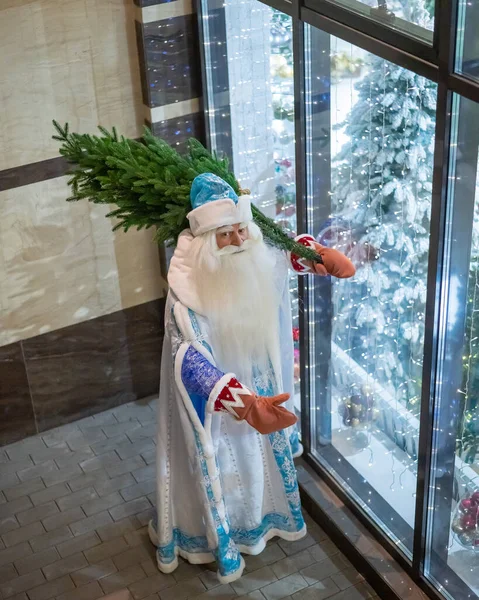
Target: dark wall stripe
x=80, y=370
x=33, y=173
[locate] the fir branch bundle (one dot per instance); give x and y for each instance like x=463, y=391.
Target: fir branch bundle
x=150, y=182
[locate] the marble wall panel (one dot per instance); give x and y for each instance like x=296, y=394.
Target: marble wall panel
x=61, y=264
x=73, y=61
x=57, y=261
x=16, y=412
x=95, y=365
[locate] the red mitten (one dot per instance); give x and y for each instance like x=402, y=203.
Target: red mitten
x=334, y=263
x=264, y=414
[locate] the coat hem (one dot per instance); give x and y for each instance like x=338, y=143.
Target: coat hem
x=203, y=558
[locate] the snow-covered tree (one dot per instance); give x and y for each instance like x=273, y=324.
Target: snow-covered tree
x=381, y=188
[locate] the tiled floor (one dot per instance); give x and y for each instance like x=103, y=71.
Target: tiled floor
x=74, y=505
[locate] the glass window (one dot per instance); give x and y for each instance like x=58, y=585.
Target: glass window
x=251, y=110
x=412, y=17
x=467, y=47
x=453, y=524
x=371, y=128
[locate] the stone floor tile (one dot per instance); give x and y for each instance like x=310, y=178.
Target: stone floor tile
x=65, y=566
x=114, y=530
x=284, y=587
x=28, y=487
x=45, y=453
x=361, y=591
x=109, y=444
x=8, y=480
x=91, y=591
x=147, y=431
x=325, y=568
x=122, y=579
x=103, y=461
x=294, y=547
x=37, y=513
x=182, y=591
x=128, y=509
x=145, y=517
x=144, y=473
x=99, y=504
x=93, y=572
x=127, y=449
x=252, y=596
x=64, y=518
x=24, y=448
x=125, y=466
x=126, y=427
x=323, y=550
x=91, y=523
x=32, y=562
x=51, y=493
x=40, y=470
x=13, y=466
x=8, y=509
x=319, y=591
x=22, y=534
x=87, y=480
x=106, y=550
x=8, y=524
x=133, y=556
x=77, y=498
x=270, y=555
x=81, y=543
x=74, y=458
x=347, y=578
x=139, y=537
x=125, y=595
x=51, y=589
x=52, y=538
x=151, y=585
x=14, y=553
x=150, y=456
x=209, y=579
x=292, y=564
x=61, y=475
x=7, y=573
x=104, y=487
x=221, y=592
x=60, y=434
x=21, y=584
x=83, y=439
x=254, y=581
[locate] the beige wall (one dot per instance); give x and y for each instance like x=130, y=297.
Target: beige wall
x=75, y=61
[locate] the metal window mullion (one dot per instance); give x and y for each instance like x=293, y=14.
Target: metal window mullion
x=434, y=333
x=301, y=215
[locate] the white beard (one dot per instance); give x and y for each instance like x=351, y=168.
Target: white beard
x=237, y=291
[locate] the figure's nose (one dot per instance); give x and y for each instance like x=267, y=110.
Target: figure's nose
x=236, y=239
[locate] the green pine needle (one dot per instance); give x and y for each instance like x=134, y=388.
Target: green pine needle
x=150, y=182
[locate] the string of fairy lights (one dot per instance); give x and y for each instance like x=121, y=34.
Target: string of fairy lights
x=264, y=85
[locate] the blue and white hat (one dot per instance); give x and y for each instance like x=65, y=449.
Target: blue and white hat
x=215, y=204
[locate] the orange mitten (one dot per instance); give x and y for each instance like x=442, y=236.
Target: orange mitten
x=265, y=413
x=334, y=263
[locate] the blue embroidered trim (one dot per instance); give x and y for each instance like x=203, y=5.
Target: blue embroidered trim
x=244, y=537
x=294, y=442
x=226, y=554
x=285, y=462
x=197, y=330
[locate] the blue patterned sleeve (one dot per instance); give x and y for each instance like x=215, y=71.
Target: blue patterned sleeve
x=199, y=376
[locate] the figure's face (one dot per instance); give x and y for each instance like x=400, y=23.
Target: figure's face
x=232, y=235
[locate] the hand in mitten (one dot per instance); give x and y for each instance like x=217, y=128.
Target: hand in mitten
x=334, y=263
x=265, y=413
